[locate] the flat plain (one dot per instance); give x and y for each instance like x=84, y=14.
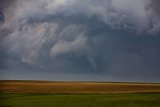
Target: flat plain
x=50, y=87
x=78, y=94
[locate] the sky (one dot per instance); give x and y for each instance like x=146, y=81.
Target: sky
x=80, y=40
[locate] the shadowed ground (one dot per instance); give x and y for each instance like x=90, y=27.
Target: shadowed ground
x=80, y=100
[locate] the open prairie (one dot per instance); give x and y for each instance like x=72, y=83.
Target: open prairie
x=78, y=94
x=80, y=100
x=48, y=87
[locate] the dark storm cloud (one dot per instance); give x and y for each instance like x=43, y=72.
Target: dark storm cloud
x=104, y=40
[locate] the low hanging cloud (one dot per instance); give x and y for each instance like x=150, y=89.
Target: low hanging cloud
x=113, y=39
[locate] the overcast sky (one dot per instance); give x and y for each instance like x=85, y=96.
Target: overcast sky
x=86, y=40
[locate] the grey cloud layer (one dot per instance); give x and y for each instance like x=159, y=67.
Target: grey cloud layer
x=118, y=38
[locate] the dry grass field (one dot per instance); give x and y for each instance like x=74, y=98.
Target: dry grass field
x=48, y=87
x=78, y=94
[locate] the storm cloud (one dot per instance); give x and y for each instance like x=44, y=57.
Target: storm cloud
x=113, y=40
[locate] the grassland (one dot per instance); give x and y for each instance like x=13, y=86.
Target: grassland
x=78, y=94
x=80, y=100
x=47, y=87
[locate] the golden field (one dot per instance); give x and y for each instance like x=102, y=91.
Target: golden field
x=49, y=87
